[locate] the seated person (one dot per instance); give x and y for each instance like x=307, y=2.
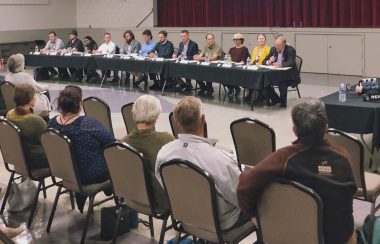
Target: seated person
x=31, y=126
x=163, y=49
x=87, y=135
x=73, y=45
x=108, y=47
x=259, y=53
x=239, y=54
x=131, y=46
x=300, y=162
x=187, y=48
x=17, y=76
x=90, y=46
x=213, y=52
x=53, y=45
x=281, y=55
x=148, y=141
x=201, y=151
x=147, y=46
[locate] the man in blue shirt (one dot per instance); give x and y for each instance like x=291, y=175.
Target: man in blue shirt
x=147, y=46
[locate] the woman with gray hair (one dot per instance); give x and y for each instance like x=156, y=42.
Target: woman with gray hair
x=148, y=141
x=18, y=76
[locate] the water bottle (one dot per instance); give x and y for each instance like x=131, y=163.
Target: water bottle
x=248, y=63
x=225, y=59
x=206, y=58
x=183, y=56
x=36, y=49
x=342, y=93
x=229, y=59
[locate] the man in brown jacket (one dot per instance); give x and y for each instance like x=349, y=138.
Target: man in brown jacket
x=313, y=162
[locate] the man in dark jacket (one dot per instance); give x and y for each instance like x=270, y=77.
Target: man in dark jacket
x=313, y=162
x=281, y=55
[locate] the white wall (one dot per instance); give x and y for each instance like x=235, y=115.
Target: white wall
x=114, y=13
x=56, y=14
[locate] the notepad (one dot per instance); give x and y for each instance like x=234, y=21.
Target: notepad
x=53, y=53
x=205, y=64
x=37, y=53
x=109, y=56
x=253, y=67
x=227, y=65
x=159, y=59
x=68, y=54
x=87, y=55
x=184, y=62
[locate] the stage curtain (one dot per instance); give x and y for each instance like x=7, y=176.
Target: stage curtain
x=269, y=13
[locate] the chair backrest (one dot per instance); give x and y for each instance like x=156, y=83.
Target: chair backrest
x=289, y=212
x=299, y=62
x=11, y=148
x=129, y=175
x=126, y=111
x=7, y=90
x=253, y=140
x=355, y=147
x=176, y=128
x=193, y=205
x=61, y=158
x=96, y=107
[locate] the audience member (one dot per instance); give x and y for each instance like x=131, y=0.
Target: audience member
x=313, y=162
x=211, y=52
x=147, y=140
x=17, y=76
x=31, y=126
x=87, y=135
x=193, y=147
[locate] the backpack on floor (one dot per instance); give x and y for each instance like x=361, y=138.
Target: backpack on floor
x=41, y=74
x=370, y=227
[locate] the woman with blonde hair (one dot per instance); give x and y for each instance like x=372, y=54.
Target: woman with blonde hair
x=259, y=53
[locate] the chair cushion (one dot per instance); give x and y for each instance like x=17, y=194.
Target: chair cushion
x=237, y=233
x=40, y=173
x=372, y=182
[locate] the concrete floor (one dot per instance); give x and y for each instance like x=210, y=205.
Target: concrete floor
x=219, y=114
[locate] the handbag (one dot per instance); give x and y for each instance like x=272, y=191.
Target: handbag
x=21, y=195
x=108, y=217
x=370, y=231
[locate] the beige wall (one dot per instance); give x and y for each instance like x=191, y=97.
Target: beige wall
x=57, y=14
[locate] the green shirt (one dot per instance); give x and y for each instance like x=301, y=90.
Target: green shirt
x=214, y=49
x=31, y=126
x=149, y=142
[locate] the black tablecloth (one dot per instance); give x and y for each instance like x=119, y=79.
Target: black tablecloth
x=354, y=115
x=74, y=61
x=131, y=65
x=257, y=79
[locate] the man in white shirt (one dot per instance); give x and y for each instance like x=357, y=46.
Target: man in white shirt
x=195, y=148
x=108, y=47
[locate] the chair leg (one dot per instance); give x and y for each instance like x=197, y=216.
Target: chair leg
x=54, y=208
x=220, y=87
x=117, y=225
x=72, y=200
x=298, y=91
x=89, y=211
x=10, y=181
x=163, y=230
x=44, y=188
x=30, y=220
x=151, y=226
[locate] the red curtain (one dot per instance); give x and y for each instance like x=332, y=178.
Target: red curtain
x=284, y=13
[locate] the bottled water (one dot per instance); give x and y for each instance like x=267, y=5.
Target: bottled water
x=36, y=49
x=342, y=93
x=248, y=63
x=206, y=58
x=183, y=56
x=225, y=59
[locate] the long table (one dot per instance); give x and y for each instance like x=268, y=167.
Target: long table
x=354, y=116
x=235, y=75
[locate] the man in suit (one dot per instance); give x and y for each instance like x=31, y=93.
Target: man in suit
x=281, y=55
x=187, y=49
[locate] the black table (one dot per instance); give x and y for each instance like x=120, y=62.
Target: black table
x=237, y=76
x=59, y=61
x=354, y=115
